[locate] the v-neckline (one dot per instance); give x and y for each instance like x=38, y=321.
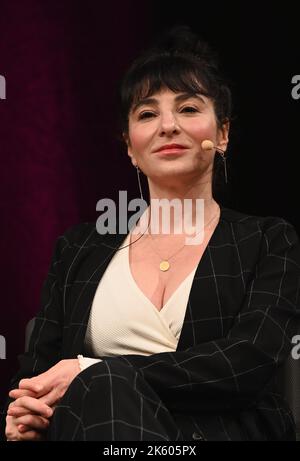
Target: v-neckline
x=194, y=271
x=140, y=291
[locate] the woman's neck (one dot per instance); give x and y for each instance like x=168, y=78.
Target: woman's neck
x=185, y=206
x=181, y=191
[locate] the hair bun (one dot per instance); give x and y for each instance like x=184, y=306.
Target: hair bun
x=181, y=39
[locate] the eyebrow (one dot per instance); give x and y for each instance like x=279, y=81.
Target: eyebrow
x=179, y=98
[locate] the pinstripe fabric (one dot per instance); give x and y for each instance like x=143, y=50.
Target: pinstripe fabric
x=237, y=330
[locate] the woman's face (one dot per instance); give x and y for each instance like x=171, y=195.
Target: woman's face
x=174, y=118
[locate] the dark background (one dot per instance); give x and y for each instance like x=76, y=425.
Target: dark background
x=60, y=148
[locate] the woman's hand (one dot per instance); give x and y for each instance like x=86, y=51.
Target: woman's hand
x=50, y=386
x=27, y=415
x=31, y=420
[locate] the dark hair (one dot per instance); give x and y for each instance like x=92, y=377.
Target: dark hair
x=182, y=62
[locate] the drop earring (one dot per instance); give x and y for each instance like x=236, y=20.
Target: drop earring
x=139, y=180
x=208, y=145
x=222, y=153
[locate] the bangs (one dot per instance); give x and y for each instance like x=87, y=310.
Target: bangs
x=174, y=73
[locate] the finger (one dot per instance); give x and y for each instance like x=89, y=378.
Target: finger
x=32, y=422
x=33, y=384
x=17, y=411
x=34, y=406
x=22, y=428
x=54, y=396
x=34, y=436
x=17, y=393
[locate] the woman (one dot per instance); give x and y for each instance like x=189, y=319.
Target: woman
x=162, y=340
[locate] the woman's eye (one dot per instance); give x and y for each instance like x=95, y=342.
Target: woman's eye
x=145, y=115
x=189, y=109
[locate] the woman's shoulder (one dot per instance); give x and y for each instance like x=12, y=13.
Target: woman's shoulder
x=244, y=219
x=246, y=224
x=79, y=232
x=75, y=236
x=87, y=235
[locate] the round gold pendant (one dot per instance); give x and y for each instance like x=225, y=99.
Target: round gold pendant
x=164, y=266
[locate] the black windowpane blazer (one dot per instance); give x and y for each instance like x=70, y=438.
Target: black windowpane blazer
x=239, y=321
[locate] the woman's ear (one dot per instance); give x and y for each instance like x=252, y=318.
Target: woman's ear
x=125, y=137
x=129, y=151
x=223, y=135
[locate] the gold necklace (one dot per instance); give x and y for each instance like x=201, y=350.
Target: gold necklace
x=164, y=264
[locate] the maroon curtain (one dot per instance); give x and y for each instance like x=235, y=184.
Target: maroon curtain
x=60, y=151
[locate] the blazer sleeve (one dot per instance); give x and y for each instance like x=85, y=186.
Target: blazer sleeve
x=233, y=371
x=45, y=344
x=46, y=339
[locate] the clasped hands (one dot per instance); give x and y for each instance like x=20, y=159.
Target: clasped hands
x=28, y=416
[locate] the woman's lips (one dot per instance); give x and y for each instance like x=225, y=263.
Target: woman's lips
x=171, y=150
x=171, y=147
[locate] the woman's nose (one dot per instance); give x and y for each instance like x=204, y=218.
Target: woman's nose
x=168, y=124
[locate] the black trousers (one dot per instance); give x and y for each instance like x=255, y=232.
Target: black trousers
x=110, y=401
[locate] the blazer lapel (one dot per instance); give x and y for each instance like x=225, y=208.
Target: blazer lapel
x=91, y=266
x=207, y=301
